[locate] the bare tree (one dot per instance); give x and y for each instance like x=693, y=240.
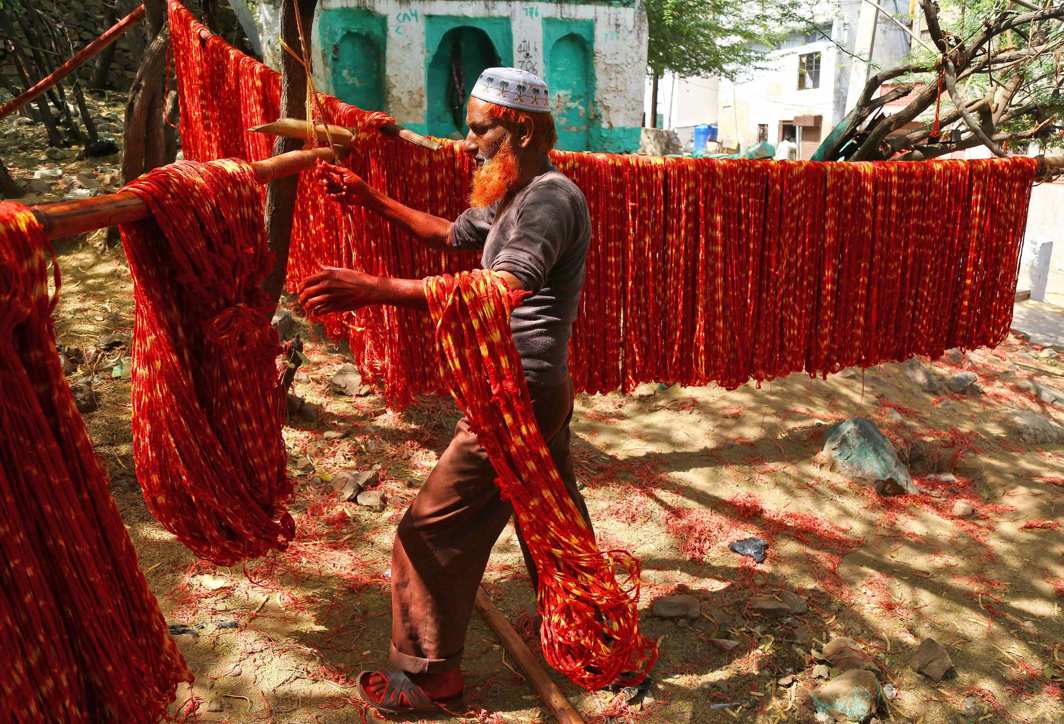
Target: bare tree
x=994, y=79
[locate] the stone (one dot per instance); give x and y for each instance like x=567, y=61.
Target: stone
x=858, y=449
x=1042, y=392
x=890, y=692
x=942, y=477
x=956, y=357
x=372, y=499
x=112, y=341
x=216, y=704
x=844, y=653
x=38, y=186
x=794, y=602
x=751, y=548
x=724, y=644
x=769, y=605
x=346, y=381
x=1047, y=353
x=682, y=605
x=926, y=379
x=963, y=509
x=853, y=695
x=932, y=660
x=785, y=680
x=821, y=671
x=85, y=397
x=964, y=383
x=75, y=194
x=1031, y=427
x=300, y=408
x=48, y=172
x=961, y=381
x=56, y=154
x=349, y=485
x=69, y=365
x=335, y=434
x=286, y=325
x=893, y=416
x=972, y=707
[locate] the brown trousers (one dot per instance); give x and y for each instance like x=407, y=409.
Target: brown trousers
x=443, y=542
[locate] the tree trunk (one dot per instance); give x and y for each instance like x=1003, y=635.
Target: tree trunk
x=281, y=194
x=654, y=100
x=147, y=139
x=9, y=188
x=101, y=71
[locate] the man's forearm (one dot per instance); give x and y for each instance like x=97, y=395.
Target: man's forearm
x=426, y=227
x=408, y=293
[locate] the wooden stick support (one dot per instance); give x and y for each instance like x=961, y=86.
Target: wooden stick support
x=109, y=36
x=296, y=128
x=533, y=670
x=69, y=218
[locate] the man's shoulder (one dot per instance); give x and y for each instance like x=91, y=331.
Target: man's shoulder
x=557, y=187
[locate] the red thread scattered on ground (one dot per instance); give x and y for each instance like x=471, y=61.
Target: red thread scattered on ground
x=1058, y=586
x=907, y=411
x=1050, y=480
x=1040, y=525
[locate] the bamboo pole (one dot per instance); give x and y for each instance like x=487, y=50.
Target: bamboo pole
x=296, y=128
x=69, y=218
x=74, y=62
x=545, y=687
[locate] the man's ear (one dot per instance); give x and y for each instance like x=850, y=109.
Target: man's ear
x=522, y=136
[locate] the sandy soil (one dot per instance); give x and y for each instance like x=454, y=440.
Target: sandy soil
x=673, y=475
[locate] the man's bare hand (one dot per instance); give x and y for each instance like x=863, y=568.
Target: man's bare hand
x=343, y=184
x=339, y=290
x=376, y=119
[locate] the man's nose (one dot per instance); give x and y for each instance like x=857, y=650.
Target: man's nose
x=469, y=147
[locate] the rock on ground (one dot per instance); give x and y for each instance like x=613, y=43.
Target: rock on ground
x=932, y=660
x=1036, y=429
x=853, y=695
x=682, y=605
x=857, y=448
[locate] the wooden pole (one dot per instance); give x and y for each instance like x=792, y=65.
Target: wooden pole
x=545, y=687
x=69, y=218
x=110, y=35
x=296, y=128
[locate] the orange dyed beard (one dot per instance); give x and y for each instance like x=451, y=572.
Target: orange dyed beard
x=495, y=178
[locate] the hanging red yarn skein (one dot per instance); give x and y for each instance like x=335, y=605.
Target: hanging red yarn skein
x=207, y=411
x=590, y=630
x=83, y=637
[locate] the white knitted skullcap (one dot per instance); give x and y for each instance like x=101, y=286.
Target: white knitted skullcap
x=513, y=88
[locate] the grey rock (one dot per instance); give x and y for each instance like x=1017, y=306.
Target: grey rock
x=335, y=434
x=972, y=707
x=926, y=379
x=963, y=509
x=1047, y=353
x=932, y=660
x=858, y=449
x=85, y=397
x=346, y=381
x=853, y=695
x=964, y=383
x=38, y=186
x=349, y=485
x=794, y=602
x=893, y=416
x=1037, y=429
x=890, y=692
x=372, y=499
x=57, y=154
x=942, y=477
x=785, y=680
x=821, y=671
x=1044, y=393
x=76, y=194
x=286, y=325
x=956, y=356
x=300, y=408
x=681, y=605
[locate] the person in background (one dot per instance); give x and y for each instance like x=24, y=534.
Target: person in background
x=787, y=150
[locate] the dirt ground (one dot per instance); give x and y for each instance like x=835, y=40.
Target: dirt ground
x=673, y=475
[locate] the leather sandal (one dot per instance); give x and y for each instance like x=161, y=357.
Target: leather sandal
x=402, y=696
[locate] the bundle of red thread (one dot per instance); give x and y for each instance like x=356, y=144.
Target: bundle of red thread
x=207, y=409
x=590, y=630
x=83, y=637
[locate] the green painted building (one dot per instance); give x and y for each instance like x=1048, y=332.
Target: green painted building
x=419, y=60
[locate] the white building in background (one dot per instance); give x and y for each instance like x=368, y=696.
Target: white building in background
x=803, y=87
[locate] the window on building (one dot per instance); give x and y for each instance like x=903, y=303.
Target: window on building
x=808, y=71
x=762, y=132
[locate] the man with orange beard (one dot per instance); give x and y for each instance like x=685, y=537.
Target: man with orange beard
x=532, y=225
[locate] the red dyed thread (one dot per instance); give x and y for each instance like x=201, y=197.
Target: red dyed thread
x=207, y=411
x=82, y=636
x=590, y=630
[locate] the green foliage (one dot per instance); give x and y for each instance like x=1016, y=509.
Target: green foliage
x=711, y=37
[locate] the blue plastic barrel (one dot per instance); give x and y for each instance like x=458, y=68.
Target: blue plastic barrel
x=712, y=131
x=701, y=136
